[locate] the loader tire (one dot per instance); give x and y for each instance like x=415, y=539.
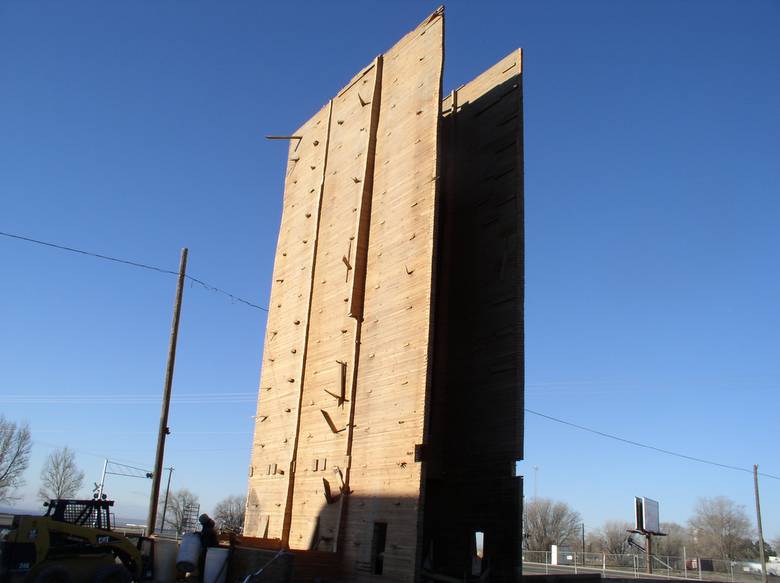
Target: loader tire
x=112, y=574
x=53, y=574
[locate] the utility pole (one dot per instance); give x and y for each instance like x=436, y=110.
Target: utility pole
x=166, y=400
x=536, y=480
x=165, y=503
x=583, y=538
x=760, y=530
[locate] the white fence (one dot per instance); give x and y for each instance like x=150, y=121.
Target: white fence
x=635, y=565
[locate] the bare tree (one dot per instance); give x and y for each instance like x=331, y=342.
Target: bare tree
x=677, y=537
x=612, y=538
x=15, y=448
x=593, y=541
x=547, y=522
x=60, y=476
x=229, y=513
x=178, y=503
x=720, y=528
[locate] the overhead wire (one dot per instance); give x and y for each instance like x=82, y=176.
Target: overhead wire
x=50, y=445
x=117, y=398
x=539, y=414
x=647, y=446
x=137, y=264
x=237, y=398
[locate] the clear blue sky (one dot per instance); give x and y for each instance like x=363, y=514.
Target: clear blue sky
x=652, y=207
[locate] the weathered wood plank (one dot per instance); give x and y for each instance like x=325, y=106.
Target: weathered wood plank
x=285, y=341
x=332, y=331
x=393, y=372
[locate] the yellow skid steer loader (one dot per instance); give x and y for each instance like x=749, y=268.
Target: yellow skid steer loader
x=71, y=543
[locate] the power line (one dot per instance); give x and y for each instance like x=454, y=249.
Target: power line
x=126, y=399
x=235, y=398
x=646, y=446
x=82, y=431
x=51, y=445
x=133, y=264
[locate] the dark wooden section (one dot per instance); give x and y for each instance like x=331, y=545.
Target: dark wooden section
x=476, y=415
x=249, y=557
x=244, y=560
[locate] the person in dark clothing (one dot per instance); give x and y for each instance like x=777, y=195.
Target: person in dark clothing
x=208, y=538
x=208, y=535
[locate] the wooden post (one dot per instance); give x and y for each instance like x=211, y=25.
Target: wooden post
x=166, y=401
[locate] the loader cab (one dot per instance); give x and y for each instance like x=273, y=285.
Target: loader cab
x=92, y=513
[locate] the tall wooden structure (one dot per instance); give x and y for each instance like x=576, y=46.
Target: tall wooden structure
x=390, y=411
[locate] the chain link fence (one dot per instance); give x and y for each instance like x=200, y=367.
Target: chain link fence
x=635, y=565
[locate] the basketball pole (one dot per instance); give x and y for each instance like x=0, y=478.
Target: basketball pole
x=649, y=553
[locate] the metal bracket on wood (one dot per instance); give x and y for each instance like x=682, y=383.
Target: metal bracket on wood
x=330, y=423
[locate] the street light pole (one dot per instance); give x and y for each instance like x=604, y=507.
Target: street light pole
x=760, y=530
x=102, y=480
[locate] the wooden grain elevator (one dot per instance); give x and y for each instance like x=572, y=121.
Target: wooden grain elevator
x=390, y=409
